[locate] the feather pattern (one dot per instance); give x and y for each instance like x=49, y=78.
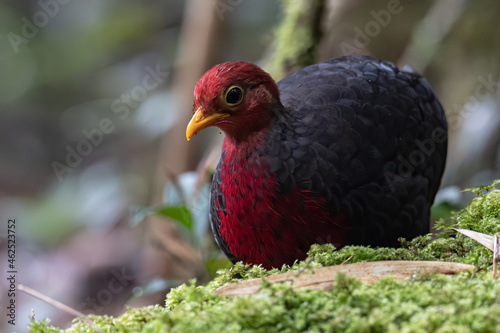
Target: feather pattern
x=354, y=155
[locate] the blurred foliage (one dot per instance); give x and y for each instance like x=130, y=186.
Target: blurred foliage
x=442, y=210
x=187, y=204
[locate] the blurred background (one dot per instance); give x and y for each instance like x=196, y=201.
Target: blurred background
x=110, y=201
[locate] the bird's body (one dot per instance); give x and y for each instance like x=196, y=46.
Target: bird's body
x=349, y=151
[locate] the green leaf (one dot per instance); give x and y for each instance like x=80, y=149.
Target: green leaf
x=178, y=213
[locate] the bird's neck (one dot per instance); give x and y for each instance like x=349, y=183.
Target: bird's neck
x=242, y=149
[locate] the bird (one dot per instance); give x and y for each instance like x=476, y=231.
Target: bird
x=348, y=151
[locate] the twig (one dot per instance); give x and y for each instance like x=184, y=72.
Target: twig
x=50, y=301
x=495, y=256
x=57, y=304
x=350, y=257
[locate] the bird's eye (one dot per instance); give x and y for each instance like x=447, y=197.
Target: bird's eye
x=233, y=95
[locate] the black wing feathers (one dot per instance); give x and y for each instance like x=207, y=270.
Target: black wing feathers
x=356, y=137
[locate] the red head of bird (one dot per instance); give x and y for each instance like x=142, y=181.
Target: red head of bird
x=237, y=97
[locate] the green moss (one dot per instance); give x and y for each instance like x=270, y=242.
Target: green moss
x=467, y=302
x=297, y=37
x=482, y=214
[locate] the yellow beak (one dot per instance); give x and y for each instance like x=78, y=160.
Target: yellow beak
x=199, y=122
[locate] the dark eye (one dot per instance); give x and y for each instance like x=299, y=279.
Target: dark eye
x=234, y=95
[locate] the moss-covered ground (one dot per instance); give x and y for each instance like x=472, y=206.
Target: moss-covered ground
x=467, y=302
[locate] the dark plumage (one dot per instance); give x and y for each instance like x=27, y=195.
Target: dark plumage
x=350, y=151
